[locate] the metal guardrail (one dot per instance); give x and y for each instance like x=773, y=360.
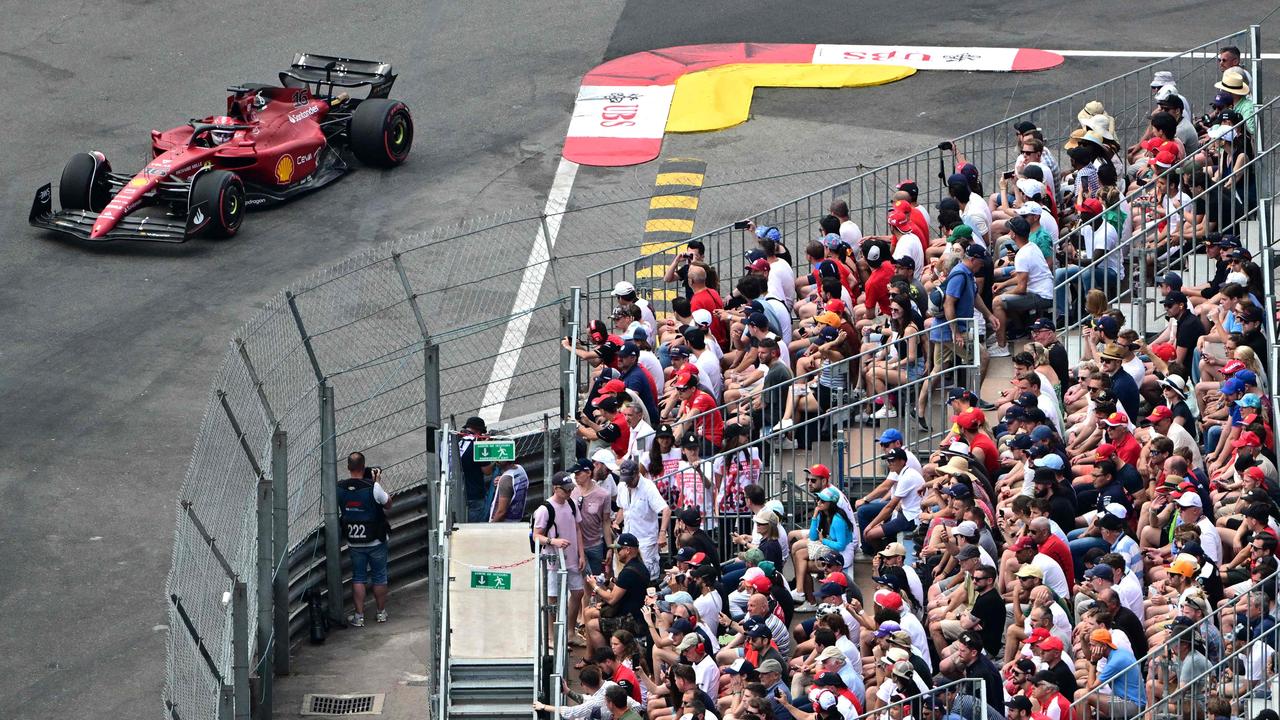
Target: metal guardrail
x=1126, y=97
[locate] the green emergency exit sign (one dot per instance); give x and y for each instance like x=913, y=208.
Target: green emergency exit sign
x=494, y=451
x=486, y=580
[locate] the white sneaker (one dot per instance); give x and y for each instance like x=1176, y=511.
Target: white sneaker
x=797, y=596
x=998, y=350
x=357, y=621
x=884, y=413
x=382, y=616
x=788, y=444
x=806, y=608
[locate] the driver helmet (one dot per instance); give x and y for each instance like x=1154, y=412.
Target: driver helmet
x=259, y=101
x=220, y=136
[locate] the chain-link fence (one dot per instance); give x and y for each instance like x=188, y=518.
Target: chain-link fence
x=374, y=353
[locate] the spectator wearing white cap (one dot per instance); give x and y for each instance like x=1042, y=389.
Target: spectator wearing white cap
x=625, y=293
x=1191, y=511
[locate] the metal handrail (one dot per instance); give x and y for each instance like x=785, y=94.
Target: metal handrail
x=444, y=532
x=964, y=686
x=1139, y=235
x=844, y=364
x=929, y=153
x=562, y=634
x=1168, y=645
x=843, y=409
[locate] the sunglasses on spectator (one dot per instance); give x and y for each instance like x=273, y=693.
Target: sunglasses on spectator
x=1030, y=152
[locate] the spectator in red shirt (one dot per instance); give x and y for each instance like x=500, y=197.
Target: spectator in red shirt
x=1053, y=547
x=706, y=298
x=1118, y=434
x=694, y=402
x=876, y=296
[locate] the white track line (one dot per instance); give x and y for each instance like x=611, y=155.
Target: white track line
x=1143, y=54
x=508, y=357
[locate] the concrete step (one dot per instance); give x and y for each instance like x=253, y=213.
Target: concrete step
x=492, y=711
x=475, y=670
x=512, y=688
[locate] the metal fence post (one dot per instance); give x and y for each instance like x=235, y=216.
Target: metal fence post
x=280, y=550
x=240, y=649
x=266, y=593
x=329, y=501
x=1138, y=297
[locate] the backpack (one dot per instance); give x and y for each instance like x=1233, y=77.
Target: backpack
x=551, y=521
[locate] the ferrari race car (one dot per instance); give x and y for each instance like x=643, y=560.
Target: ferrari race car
x=273, y=144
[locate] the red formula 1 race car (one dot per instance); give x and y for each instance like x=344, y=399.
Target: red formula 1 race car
x=273, y=144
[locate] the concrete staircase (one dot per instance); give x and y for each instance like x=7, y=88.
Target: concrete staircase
x=490, y=689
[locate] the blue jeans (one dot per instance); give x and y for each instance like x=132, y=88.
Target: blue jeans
x=367, y=562
x=868, y=512
x=477, y=510
x=1082, y=545
x=595, y=558
x=1211, y=438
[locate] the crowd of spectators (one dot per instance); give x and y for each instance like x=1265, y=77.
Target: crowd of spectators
x=1089, y=542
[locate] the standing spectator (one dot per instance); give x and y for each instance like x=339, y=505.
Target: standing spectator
x=708, y=298
x=555, y=527
x=643, y=513
x=849, y=231
x=474, y=473
x=363, y=504
x=594, y=520
x=637, y=378
x=625, y=293
x=1029, y=290
x=695, y=252
x=512, y=487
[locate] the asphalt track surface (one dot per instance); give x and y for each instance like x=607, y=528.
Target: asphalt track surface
x=109, y=349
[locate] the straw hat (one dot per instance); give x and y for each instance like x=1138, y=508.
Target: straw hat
x=1093, y=109
x=1232, y=82
x=1103, y=125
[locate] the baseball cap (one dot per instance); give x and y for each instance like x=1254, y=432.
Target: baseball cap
x=1091, y=207
x=971, y=639
x=1041, y=432
x=1158, y=413
x=1175, y=297
x=1246, y=376
x=958, y=393
x=894, y=549
x=1189, y=499
x=820, y=471
x=562, y=479
x=761, y=584
x=758, y=265
x=1031, y=188
x=1030, y=570
x=968, y=552
x=1101, y=570
x=1019, y=702
x=770, y=666
x=835, y=305
x=741, y=666
x=625, y=540
x=1052, y=461
x=905, y=261
x=1017, y=225
x=1116, y=419
x=1021, y=441
x=758, y=320
x=1102, y=635
x=829, y=494
x=690, y=641
x=1050, y=643
x=895, y=454
x=891, y=435
x=1107, y=521
x=1029, y=208
x=959, y=490
x=829, y=590
x=1172, y=279
x=629, y=349
x=1041, y=324
x=838, y=578
x=967, y=528
x=1105, y=451
x=681, y=626
x=973, y=251
x=613, y=387
x=888, y=600
x=887, y=627
x=583, y=465
x=628, y=470
x=969, y=419
x=689, y=516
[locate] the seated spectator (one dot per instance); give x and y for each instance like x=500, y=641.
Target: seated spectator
x=1028, y=290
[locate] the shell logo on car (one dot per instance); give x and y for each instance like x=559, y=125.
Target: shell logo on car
x=284, y=169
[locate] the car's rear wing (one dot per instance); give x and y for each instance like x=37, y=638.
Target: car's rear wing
x=322, y=73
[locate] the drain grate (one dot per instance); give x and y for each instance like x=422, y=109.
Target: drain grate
x=342, y=704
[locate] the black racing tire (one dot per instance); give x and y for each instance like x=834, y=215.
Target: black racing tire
x=222, y=193
x=381, y=132
x=84, y=183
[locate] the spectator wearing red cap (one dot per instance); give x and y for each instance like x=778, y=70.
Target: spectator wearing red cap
x=698, y=413
x=906, y=241
x=1163, y=424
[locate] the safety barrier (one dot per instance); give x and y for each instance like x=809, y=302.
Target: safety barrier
x=963, y=698
x=992, y=149
x=1168, y=651
x=552, y=651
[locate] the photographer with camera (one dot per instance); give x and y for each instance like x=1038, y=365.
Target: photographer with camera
x=695, y=252
x=363, y=504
